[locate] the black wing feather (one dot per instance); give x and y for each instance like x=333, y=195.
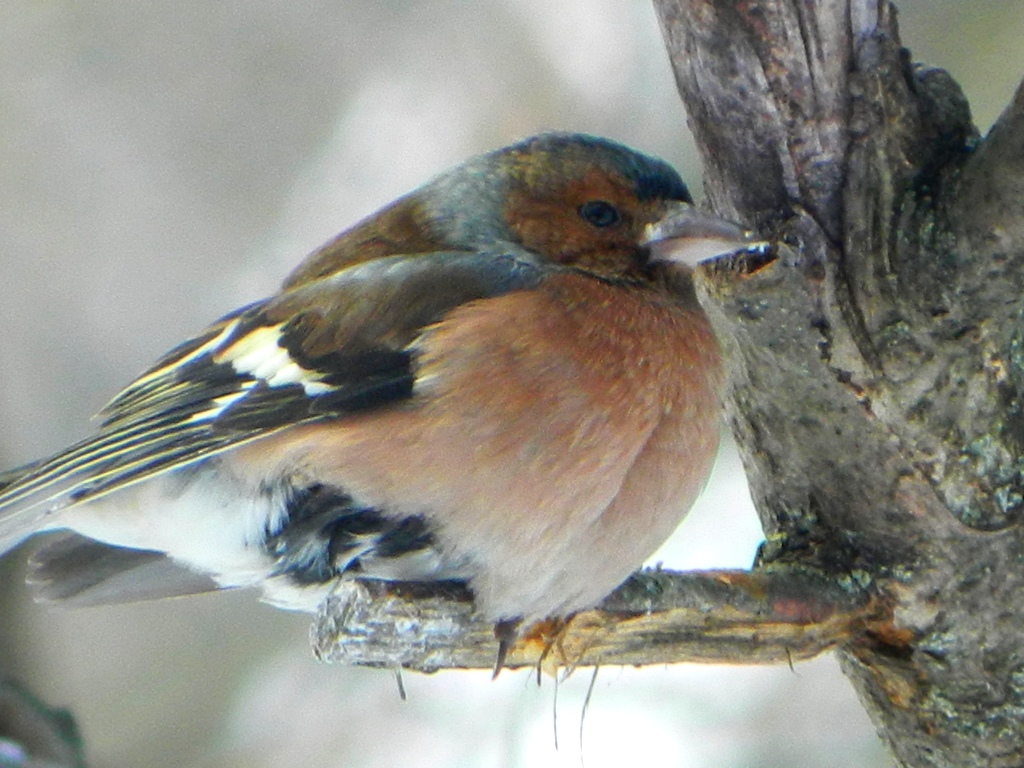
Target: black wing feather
x=326, y=348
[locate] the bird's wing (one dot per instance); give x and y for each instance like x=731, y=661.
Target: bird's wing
x=332, y=346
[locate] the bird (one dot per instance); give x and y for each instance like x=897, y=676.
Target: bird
x=502, y=378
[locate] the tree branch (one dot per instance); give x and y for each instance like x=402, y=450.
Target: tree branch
x=656, y=617
x=33, y=734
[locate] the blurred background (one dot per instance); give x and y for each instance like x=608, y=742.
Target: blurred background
x=162, y=163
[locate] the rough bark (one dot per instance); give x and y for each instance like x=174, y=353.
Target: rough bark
x=875, y=369
x=876, y=366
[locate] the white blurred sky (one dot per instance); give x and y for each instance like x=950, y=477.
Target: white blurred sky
x=161, y=164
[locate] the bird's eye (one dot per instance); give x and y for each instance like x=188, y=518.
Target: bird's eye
x=600, y=213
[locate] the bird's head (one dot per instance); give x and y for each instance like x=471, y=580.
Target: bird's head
x=578, y=200
x=582, y=201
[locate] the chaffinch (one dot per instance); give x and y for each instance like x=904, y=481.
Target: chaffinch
x=503, y=377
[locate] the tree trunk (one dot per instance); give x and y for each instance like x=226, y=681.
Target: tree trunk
x=876, y=366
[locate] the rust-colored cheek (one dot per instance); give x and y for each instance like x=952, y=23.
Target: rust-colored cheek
x=544, y=227
x=551, y=225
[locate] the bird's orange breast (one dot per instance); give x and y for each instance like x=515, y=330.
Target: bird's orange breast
x=583, y=412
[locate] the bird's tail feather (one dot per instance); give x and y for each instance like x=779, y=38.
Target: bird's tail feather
x=77, y=571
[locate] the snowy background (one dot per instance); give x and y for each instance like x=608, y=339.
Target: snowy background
x=161, y=164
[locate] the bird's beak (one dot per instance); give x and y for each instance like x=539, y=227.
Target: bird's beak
x=685, y=235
